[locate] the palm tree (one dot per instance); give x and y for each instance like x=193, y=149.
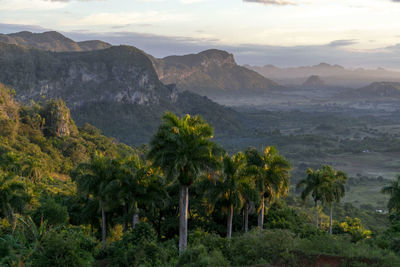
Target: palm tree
x=272, y=175
x=333, y=188
x=313, y=184
x=138, y=183
x=93, y=180
x=230, y=186
x=12, y=195
x=183, y=149
x=393, y=189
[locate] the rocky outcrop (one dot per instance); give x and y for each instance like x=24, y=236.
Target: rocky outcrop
x=211, y=72
x=51, y=41
x=57, y=119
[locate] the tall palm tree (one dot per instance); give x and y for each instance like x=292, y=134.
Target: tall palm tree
x=313, y=185
x=12, y=196
x=93, y=179
x=393, y=189
x=230, y=186
x=333, y=188
x=272, y=176
x=182, y=147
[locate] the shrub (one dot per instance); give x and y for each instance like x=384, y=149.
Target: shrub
x=52, y=212
x=65, y=247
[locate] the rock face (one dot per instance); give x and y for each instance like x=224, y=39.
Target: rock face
x=51, y=41
x=314, y=82
x=115, y=89
x=211, y=72
x=57, y=119
x=118, y=74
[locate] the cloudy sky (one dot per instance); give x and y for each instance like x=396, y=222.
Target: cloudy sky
x=281, y=32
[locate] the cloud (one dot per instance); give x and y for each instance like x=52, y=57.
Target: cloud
x=126, y=18
x=343, y=42
x=272, y=2
x=283, y=56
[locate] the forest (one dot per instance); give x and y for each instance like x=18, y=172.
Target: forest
x=70, y=196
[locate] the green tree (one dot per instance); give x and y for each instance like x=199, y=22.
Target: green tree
x=138, y=184
x=313, y=185
x=12, y=196
x=230, y=186
x=333, y=188
x=393, y=190
x=271, y=172
x=182, y=147
x=93, y=180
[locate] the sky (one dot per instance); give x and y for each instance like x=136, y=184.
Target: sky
x=353, y=33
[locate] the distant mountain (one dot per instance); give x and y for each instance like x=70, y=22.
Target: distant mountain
x=51, y=41
x=333, y=75
x=377, y=91
x=211, y=72
x=115, y=89
x=314, y=82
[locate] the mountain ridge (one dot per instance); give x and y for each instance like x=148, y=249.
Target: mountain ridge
x=115, y=89
x=51, y=41
x=211, y=72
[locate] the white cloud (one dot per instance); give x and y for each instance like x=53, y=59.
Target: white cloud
x=13, y=5
x=123, y=18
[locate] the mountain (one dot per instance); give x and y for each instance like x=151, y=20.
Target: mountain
x=115, y=89
x=211, y=73
x=51, y=41
x=314, y=82
x=333, y=75
x=377, y=91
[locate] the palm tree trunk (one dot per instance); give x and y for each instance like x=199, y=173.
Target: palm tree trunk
x=135, y=218
x=103, y=225
x=316, y=213
x=183, y=217
x=229, y=223
x=261, y=214
x=330, y=219
x=246, y=217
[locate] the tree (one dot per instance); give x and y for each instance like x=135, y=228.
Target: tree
x=313, y=185
x=333, y=188
x=93, y=180
x=137, y=184
x=182, y=147
x=230, y=187
x=393, y=190
x=272, y=175
x=12, y=195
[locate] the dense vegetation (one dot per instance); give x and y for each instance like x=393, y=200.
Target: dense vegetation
x=70, y=196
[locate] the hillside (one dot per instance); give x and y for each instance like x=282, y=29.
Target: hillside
x=118, y=83
x=211, y=72
x=51, y=41
x=314, y=82
x=44, y=139
x=377, y=91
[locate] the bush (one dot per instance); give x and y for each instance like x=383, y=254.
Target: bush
x=65, y=247
x=52, y=212
x=140, y=247
x=200, y=256
x=261, y=247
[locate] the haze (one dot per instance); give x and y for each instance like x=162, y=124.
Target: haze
x=352, y=33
